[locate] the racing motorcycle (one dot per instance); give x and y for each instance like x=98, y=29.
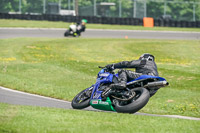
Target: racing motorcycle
x=129, y=100
x=74, y=30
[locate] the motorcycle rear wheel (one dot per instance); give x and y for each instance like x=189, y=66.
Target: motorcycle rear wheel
x=81, y=101
x=138, y=102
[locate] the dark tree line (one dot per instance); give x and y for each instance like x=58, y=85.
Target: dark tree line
x=155, y=8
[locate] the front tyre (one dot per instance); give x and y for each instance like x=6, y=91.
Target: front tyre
x=66, y=34
x=81, y=100
x=139, y=101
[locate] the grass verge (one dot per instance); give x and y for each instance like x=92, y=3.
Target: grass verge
x=61, y=68
x=59, y=24
x=27, y=119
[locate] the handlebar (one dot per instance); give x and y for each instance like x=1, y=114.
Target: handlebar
x=101, y=66
x=107, y=70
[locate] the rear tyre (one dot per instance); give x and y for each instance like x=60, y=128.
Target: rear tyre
x=138, y=102
x=81, y=100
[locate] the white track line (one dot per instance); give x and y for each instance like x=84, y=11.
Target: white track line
x=170, y=116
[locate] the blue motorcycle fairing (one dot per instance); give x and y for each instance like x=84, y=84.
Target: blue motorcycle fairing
x=102, y=71
x=95, y=89
x=104, y=75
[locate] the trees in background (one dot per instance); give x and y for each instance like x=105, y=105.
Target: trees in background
x=185, y=10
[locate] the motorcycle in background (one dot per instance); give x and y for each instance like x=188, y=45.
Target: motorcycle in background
x=76, y=29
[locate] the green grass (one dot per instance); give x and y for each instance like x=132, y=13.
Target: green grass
x=26, y=119
x=59, y=24
x=61, y=68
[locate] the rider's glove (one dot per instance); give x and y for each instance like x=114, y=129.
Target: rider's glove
x=110, y=67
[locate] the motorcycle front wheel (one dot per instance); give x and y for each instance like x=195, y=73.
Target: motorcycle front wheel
x=81, y=100
x=139, y=101
x=66, y=33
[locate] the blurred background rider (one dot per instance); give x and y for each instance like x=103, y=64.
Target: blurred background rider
x=81, y=26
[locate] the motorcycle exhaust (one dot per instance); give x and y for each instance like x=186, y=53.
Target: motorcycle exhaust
x=158, y=84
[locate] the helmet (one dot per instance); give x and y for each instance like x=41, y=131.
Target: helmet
x=147, y=56
x=84, y=20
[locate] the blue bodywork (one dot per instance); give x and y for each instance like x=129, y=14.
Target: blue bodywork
x=149, y=76
x=106, y=77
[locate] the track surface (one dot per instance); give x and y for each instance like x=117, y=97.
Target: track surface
x=92, y=33
x=22, y=98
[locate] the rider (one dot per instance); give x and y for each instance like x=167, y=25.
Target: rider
x=145, y=65
x=81, y=26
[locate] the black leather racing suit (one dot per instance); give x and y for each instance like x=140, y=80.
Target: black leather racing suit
x=80, y=28
x=143, y=67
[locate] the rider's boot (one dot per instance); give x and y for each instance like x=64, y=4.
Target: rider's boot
x=118, y=86
x=111, y=89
